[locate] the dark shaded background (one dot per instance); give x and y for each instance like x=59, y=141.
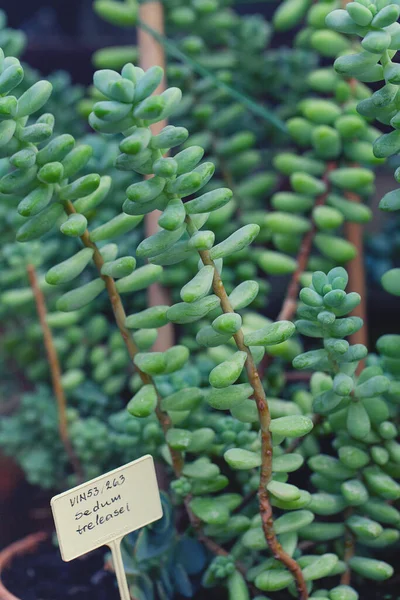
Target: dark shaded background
x=63, y=34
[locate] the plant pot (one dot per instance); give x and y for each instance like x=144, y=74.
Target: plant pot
x=7, y=555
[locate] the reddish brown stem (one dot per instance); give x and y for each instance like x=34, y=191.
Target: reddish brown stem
x=55, y=371
x=266, y=439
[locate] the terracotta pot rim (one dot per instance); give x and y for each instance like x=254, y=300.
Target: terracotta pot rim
x=7, y=555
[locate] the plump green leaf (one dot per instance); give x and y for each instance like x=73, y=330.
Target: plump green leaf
x=35, y=201
x=149, y=318
x=210, y=511
x=74, y=226
x=363, y=527
x=339, y=250
x=382, y=484
x=234, y=243
x=237, y=587
x=275, y=333
x=122, y=14
x=329, y=467
x=288, y=15
x=292, y=426
x=199, y=286
x=115, y=227
x=287, y=463
x=241, y=459
x=351, y=178
x=321, y=567
x=209, y=201
x=391, y=281
x=81, y=296
x=283, y=491
x=159, y=242
x=185, y=399
x=80, y=188
x=201, y=468
x=227, y=372
x=143, y=402
x=139, y=279
x=358, y=421
x=228, y=397
x=152, y=363
x=70, y=268
x=176, y=357
x=344, y=592
x=188, y=312
x=243, y=294
x=275, y=263
x=34, y=98
x=293, y=521
x=40, y=224
x=370, y=568
x=353, y=457
x=326, y=504
x=228, y=323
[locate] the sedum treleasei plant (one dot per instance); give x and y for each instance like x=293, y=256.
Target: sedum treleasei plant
x=377, y=24
x=225, y=434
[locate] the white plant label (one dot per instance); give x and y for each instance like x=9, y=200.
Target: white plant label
x=101, y=511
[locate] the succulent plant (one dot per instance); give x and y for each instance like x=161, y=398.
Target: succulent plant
x=272, y=485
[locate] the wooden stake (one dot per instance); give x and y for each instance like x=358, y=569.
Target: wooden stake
x=115, y=547
x=55, y=369
x=151, y=53
x=355, y=268
x=357, y=279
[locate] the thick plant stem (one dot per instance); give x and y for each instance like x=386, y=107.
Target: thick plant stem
x=55, y=371
x=266, y=438
x=151, y=53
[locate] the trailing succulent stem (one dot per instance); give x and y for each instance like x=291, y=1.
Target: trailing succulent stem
x=120, y=319
x=265, y=420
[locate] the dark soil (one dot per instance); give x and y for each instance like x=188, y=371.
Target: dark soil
x=44, y=576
